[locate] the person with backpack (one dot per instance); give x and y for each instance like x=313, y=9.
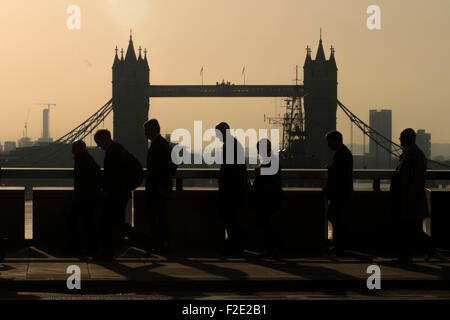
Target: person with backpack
x=121, y=174
x=158, y=184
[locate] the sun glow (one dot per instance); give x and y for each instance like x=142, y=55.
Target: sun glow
x=127, y=13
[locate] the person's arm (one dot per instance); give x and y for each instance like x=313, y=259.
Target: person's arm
x=334, y=177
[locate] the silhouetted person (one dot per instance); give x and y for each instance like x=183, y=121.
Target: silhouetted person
x=87, y=184
x=234, y=188
x=339, y=188
x=409, y=201
x=158, y=184
x=115, y=194
x=267, y=197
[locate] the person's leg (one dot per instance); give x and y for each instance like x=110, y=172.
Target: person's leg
x=112, y=218
x=90, y=221
x=236, y=234
x=157, y=218
x=424, y=241
x=334, y=216
x=122, y=228
x=105, y=230
x=164, y=222
x=337, y=236
x=407, y=240
x=72, y=227
x=225, y=216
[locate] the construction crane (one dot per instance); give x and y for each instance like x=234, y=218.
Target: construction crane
x=25, y=127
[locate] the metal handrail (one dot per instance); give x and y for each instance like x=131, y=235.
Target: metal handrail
x=212, y=173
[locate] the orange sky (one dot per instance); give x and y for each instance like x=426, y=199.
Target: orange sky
x=403, y=67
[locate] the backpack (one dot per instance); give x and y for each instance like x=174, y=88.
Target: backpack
x=135, y=172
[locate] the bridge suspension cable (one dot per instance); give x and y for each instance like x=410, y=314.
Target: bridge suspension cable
x=78, y=133
x=383, y=142
x=87, y=126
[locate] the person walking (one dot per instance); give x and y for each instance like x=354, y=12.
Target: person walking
x=234, y=188
x=409, y=203
x=121, y=174
x=339, y=189
x=158, y=184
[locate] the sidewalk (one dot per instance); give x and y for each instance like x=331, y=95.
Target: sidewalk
x=35, y=270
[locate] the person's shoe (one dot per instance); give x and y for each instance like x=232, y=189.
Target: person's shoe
x=402, y=262
x=337, y=251
x=102, y=258
x=163, y=249
x=148, y=253
x=230, y=251
x=430, y=254
x=271, y=254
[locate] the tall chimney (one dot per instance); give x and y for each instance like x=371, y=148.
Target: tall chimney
x=45, y=134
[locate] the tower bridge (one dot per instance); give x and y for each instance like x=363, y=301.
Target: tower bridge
x=132, y=93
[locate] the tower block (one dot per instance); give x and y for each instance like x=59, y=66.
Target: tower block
x=130, y=100
x=320, y=102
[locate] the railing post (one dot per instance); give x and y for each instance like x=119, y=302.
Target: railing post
x=179, y=184
x=376, y=185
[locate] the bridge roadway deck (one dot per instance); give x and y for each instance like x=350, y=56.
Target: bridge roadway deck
x=212, y=276
x=224, y=90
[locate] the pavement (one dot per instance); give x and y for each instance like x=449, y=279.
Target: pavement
x=31, y=273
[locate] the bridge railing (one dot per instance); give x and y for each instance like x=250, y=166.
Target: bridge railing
x=376, y=175
x=194, y=218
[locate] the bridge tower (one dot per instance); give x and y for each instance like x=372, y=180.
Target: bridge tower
x=130, y=100
x=320, y=102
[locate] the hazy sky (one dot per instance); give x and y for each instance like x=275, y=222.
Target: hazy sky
x=405, y=66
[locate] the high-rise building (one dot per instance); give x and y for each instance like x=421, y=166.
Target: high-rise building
x=423, y=141
x=381, y=121
x=45, y=124
x=45, y=139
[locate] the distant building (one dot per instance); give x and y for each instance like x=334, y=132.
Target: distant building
x=423, y=141
x=381, y=121
x=45, y=124
x=25, y=142
x=10, y=146
x=43, y=141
